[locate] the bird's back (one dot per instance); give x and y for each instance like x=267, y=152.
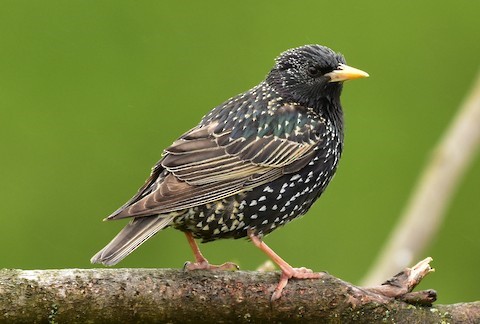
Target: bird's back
x=255, y=162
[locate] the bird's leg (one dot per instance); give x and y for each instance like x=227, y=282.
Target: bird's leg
x=287, y=270
x=200, y=262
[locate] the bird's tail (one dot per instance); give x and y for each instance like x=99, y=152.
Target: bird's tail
x=131, y=237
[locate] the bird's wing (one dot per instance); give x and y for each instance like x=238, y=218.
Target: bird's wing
x=214, y=161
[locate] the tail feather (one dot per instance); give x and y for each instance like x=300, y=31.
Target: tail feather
x=131, y=237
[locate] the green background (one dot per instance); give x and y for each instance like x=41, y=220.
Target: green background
x=92, y=91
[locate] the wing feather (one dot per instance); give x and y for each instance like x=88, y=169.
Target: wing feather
x=209, y=163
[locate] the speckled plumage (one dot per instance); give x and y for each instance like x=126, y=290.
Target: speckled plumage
x=295, y=180
x=253, y=163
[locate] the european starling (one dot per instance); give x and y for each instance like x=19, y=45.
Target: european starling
x=252, y=164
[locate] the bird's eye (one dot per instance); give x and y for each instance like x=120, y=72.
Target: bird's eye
x=314, y=71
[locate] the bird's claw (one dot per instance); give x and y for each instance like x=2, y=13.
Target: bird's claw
x=204, y=265
x=295, y=273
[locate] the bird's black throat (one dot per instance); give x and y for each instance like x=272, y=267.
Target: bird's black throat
x=323, y=97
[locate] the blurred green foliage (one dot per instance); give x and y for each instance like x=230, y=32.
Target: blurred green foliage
x=92, y=91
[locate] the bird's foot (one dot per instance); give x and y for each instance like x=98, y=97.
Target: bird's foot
x=201, y=263
x=287, y=270
x=204, y=265
x=295, y=273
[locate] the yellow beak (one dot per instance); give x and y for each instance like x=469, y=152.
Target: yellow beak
x=345, y=72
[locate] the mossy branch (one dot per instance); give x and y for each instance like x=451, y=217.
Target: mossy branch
x=165, y=295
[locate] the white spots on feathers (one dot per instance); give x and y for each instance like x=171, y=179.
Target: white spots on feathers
x=267, y=189
x=295, y=177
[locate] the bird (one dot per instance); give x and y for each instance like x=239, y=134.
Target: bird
x=254, y=163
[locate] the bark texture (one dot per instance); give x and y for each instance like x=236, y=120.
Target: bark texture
x=174, y=296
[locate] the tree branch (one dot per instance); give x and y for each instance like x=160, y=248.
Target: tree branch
x=164, y=295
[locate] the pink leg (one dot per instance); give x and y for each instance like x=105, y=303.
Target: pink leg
x=287, y=270
x=200, y=262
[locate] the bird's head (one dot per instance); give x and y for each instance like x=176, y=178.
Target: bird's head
x=311, y=74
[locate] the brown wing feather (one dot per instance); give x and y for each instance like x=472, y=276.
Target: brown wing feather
x=203, y=166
